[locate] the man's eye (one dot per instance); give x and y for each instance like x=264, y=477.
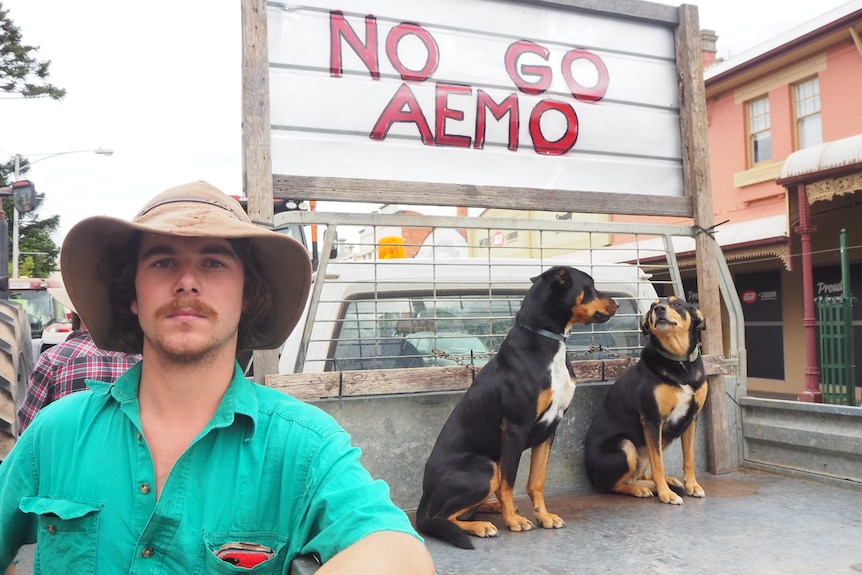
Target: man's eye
x=215, y=264
x=161, y=264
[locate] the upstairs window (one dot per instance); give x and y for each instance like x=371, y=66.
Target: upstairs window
x=759, y=131
x=809, y=127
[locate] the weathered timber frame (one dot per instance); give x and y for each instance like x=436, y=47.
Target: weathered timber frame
x=262, y=185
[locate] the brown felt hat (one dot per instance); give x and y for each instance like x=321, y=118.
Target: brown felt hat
x=191, y=210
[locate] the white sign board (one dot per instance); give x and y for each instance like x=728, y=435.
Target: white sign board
x=474, y=92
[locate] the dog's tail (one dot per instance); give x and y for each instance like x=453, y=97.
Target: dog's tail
x=441, y=528
x=445, y=530
x=677, y=489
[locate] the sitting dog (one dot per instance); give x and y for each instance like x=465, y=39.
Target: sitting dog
x=515, y=403
x=651, y=404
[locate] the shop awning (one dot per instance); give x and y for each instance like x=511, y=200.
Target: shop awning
x=829, y=156
x=828, y=170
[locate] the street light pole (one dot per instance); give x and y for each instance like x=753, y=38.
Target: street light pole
x=15, y=250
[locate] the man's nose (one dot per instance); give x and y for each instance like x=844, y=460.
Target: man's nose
x=187, y=280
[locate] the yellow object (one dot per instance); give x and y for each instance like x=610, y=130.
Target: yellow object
x=391, y=248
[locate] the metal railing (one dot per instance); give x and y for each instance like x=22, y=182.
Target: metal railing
x=494, y=251
x=835, y=323
x=837, y=365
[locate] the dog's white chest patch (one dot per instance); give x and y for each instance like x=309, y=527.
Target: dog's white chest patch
x=684, y=399
x=562, y=387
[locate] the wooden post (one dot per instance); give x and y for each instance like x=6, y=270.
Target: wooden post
x=257, y=159
x=695, y=153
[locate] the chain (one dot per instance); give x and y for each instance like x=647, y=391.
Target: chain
x=446, y=355
x=594, y=348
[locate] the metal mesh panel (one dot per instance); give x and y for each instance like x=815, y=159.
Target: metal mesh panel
x=426, y=291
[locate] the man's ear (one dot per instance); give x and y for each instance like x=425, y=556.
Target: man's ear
x=134, y=306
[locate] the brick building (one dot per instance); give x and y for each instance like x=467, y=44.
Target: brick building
x=785, y=137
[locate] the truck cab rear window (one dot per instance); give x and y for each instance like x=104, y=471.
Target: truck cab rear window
x=434, y=330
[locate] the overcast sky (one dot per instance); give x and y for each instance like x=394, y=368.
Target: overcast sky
x=159, y=83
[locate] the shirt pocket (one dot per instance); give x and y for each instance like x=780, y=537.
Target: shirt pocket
x=67, y=533
x=213, y=540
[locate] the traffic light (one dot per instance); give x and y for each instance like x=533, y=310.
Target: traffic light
x=24, y=196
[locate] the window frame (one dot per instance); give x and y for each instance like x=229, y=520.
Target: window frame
x=800, y=117
x=751, y=118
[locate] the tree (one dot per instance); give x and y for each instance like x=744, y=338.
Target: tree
x=39, y=252
x=20, y=72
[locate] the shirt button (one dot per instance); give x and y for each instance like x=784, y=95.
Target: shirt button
x=145, y=488
x=140, y=436
x=52, y=529
x=147, y=552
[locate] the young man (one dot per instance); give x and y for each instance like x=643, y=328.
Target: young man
x=182, y=465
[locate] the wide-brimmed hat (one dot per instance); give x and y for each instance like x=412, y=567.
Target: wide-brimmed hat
x=61, y=295
x=191, y=210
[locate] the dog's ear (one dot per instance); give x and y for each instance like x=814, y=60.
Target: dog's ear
x=546, y=275
x=556, y=276
x=564, y=278
x=699, y=320
x=645, y=325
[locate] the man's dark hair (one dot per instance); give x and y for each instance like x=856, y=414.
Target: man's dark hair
x=256, y=297
x=120, y=267
x=118, y=270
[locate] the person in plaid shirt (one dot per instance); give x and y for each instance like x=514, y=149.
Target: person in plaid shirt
x=63, y=368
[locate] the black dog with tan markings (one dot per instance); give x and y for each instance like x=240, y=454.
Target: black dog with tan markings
x=654, y=402
x=515, y=403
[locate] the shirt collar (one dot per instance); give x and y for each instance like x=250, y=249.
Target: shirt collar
x=81, y=332
x=124, y=389
x=239, y=399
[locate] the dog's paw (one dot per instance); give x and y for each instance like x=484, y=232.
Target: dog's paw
x=550, y=520
x=670, y=497
x=674, y=481
x=694, y=490
x=519, y=523
x=641, y=491
x=482, y=529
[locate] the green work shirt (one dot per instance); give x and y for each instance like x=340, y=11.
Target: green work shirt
x=267, y=469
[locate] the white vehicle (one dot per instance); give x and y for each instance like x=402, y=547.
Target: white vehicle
x=386, y=314
x=49, y=322
x=58, y=331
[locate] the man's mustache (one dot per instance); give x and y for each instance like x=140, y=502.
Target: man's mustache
x=194, y=305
